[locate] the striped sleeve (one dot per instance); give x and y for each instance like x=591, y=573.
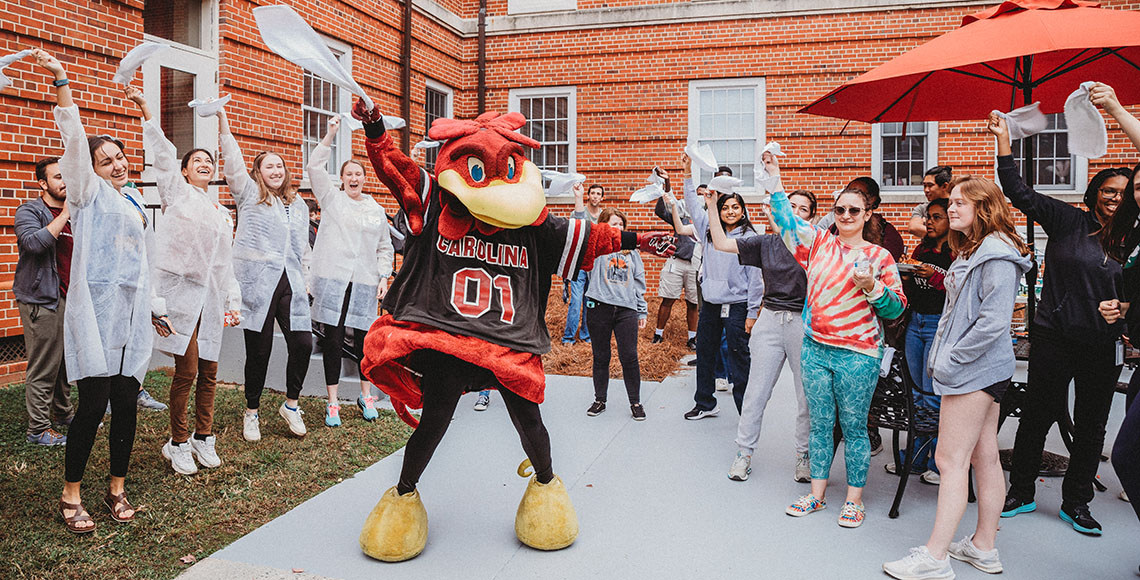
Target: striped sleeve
x=797, y=234
x=577, y=230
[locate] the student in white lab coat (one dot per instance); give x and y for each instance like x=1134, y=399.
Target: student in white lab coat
x=108, y=332
x=352, y=260
x=271, y=252
x=193, y=278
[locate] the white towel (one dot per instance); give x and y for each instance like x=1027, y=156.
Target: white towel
x=561, y=183
x=350, y=123
x=7, y=60
x=724, y=183
x=426, y=144
x=1024, y=122
x=1088, y=135
x=208, y=108
x=763, y=179
x=135, y=59
x=390, y=123
x=702, y=157
x=648, y=193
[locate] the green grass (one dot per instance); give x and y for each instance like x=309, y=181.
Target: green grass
x=178, y=515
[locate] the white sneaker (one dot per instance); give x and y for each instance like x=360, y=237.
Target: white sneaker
x=803, y=468
x=919, y=565
x=722, y=385
x=251, y=427
x=180, y=458
x=1124, y=496
x=204, y=451
x=293, y=418
x=966, y=551
x=741, y=467
x=931, y=477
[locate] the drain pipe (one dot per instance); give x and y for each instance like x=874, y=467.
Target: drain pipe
x=482, y=89
x=406, y=78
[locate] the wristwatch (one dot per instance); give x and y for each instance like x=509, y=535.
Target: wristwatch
x=60, y=82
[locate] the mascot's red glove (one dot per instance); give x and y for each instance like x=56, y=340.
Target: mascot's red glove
x=364, y=115
x=661, y=244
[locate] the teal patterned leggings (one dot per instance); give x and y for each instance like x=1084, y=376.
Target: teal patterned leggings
x=838, y=377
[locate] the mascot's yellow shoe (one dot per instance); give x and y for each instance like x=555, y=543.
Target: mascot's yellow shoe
x=397, y=528
x=546, y=519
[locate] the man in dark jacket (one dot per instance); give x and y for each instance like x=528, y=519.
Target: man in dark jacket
x=43, y=237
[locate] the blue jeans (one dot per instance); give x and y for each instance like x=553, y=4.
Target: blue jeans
x=722, y=358
x=919, y=336
x=710, y=327
x=575, y=314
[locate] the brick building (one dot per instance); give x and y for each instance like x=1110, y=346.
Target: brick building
x=612, y=88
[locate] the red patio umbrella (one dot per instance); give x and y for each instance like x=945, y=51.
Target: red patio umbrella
x=1012, y=54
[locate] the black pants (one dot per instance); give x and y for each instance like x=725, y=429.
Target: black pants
x=603, y=320
x=94, y=392
x=1126, y=450
x=710, y=325
x=332, y=345
x=1054, y=361
x=259, y=345
x=445, y=379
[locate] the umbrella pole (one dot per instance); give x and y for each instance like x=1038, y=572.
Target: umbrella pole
x=1029, y=174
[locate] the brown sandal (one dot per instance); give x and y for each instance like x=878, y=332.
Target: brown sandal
x=80, y=516
x=119, y=504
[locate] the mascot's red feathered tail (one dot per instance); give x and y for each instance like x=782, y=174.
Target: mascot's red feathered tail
x=468, y=310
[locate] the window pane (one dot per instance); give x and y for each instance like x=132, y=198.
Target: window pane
x=177, y=20
x=177, y=119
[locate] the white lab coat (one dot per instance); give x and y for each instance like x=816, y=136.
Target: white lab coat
x=268, y=242
x=107, y=327
x=192, y=269
x=353, y=245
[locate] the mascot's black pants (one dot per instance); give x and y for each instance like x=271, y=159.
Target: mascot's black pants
x=445, y=378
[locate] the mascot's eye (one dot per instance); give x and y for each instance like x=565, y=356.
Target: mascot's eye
x=475, y=167
x=510, y=168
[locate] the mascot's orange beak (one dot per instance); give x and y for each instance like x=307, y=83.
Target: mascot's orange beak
x=500, y=203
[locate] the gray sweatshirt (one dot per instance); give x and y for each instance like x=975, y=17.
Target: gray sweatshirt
x=618, y=279
x=972, y=348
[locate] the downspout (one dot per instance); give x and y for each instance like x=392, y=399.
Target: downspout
x=482, y=89
x=406, y=77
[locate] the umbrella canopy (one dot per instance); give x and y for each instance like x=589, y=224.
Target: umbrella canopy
x=998, y=59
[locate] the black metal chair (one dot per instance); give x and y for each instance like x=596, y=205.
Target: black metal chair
x=892, y=407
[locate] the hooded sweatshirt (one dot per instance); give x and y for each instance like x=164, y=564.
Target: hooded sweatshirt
x=723, y=279
x=972, y=348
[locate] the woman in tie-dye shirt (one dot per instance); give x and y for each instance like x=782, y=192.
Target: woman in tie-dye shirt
x=851, y=283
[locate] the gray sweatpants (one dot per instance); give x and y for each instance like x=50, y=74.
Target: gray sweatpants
x=46, y=392
x=777, y=336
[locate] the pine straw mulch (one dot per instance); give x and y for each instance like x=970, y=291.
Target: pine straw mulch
x=657, y=360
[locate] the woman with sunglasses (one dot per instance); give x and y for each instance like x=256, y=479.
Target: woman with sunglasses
x=108, y=323
x=1071, y=341
x=194, y=282
x=271, y=253
x=850, y=284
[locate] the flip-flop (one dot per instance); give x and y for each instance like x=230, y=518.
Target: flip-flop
x=80, y=516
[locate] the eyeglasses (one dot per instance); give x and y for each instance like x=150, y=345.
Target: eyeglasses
x=1110, y=193
x=852, y=211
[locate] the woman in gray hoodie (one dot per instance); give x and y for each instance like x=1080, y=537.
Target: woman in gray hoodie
x=971, y=363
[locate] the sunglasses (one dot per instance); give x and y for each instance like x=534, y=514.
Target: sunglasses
x=843, y=210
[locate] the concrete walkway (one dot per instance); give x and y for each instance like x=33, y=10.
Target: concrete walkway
x=653, y=501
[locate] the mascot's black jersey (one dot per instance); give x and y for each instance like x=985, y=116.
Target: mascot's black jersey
x=490, y=287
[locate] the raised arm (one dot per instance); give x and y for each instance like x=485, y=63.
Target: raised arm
x=693, y=203
x=242, y=186
x=171, y=185
x=75, y=164
x=1104, y=97
x=716, y=230
x=1050, y=213
x=319, y=161
x=409, y=184
x=796, y=233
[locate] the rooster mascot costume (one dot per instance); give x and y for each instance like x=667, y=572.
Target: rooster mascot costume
x=468, y=310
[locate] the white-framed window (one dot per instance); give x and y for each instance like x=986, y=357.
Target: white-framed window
x=438, y=100
x=1056, y=168
x=728, y=116
x=551, y=120
x=323, y=100
x=533, y=6
x=901, y=155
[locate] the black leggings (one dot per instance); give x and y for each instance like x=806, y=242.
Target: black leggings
x=445, y=379
x=332, y=345
x=259, y=345
x=622, y=322
x=94, y=392
x=1126, y=450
